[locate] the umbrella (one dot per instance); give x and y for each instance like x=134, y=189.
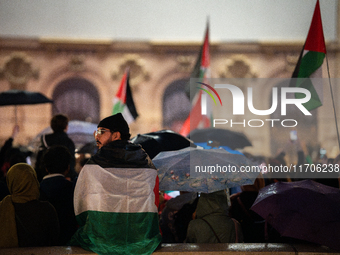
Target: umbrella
x=232, y=139
x=163, y=140
x=199, y=170
x=22, y=97
x=90, y=148
x=80, y=132
x=207, y=146
x=305, y=210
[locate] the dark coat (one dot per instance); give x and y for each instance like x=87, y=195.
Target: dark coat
x=56, y=138
x=122, y=154
x=37, y=224
x=213, y=208
x=59, y=192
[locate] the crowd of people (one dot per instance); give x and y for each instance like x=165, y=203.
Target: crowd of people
x=37, y=201
x=113, y=205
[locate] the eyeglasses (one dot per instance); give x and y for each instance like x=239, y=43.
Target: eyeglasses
x=101, y=131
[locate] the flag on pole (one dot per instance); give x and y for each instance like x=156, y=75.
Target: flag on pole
x=311, y=61
x=202, y=71
x=123, y=101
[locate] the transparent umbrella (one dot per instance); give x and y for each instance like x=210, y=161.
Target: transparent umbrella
x=200, y=170
x=81, y=133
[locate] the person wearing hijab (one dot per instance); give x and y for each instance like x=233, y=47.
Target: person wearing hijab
x=24, y=220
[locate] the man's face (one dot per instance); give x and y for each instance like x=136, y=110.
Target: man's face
x=104, y=136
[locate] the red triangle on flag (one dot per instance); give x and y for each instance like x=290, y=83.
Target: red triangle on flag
x=205, y=62
x=201, y=70
x=121, y=93
x=195, y=119
x=315, y=40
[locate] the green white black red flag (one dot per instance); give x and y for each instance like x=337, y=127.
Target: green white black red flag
x=202, y=71
x=311, y=62
x=123, y=101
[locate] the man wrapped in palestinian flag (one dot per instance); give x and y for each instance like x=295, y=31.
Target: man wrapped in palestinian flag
x=116, y=196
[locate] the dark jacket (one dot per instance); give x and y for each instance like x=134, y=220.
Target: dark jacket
x=56, y=138
x=117, y=189
x=122, y=154
x=176, y=216
x=59, y=192
x=213, y=208
x=37, y=224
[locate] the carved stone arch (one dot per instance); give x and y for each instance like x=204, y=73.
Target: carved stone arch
x=160, y=85
x=78, y=98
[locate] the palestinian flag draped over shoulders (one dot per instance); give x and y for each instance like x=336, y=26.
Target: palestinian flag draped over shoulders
x=123, y=101
x=116, y=209
x=202, y=72
x=311, y=62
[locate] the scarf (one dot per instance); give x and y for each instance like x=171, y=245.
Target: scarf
x=23, y=186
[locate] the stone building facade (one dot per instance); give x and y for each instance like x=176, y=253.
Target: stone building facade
x=82, y=78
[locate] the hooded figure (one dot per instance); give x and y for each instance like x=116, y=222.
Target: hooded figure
x=26, y=221
x=212, y=223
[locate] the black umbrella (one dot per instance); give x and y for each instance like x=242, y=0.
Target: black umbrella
x=90, y=148
x=22, y=97
x=224, y=137
x=305, y=210
x=163, y=140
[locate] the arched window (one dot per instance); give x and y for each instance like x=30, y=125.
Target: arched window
x=176, y=105
x=78, y=99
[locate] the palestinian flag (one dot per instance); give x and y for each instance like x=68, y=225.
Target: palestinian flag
x=311, y=61
x=202, y=71
x=195, y=119
x=123, y=101
x=116, y=210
